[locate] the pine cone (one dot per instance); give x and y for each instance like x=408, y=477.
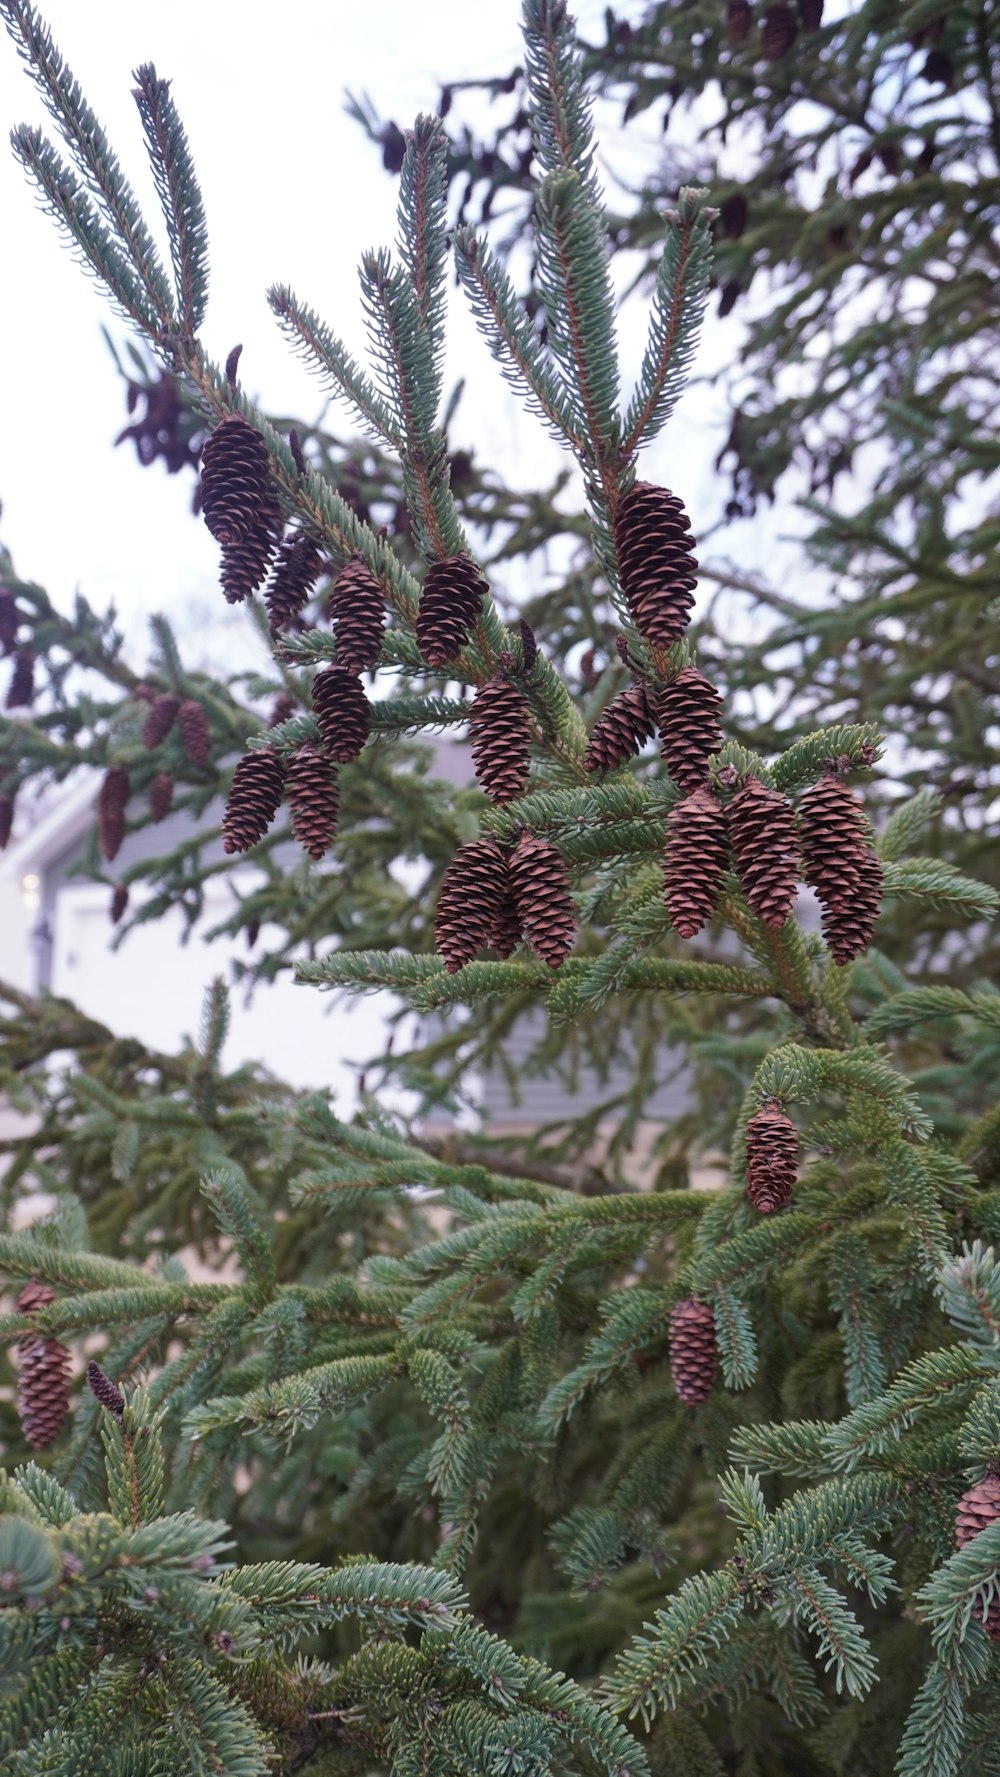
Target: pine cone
x=111, y=799
x=253, y=800
x=357, y=611
x=195, y=738
x=500, y=737
x=22, y=681
x=779, y=31
x=297, y=568
x=693, y=1356
x=314, y=800
x=469, y=904
x=840, y=865
x=43, y=1383
x=450, y=603
x=343, y=713
x=245, y=563
x=772, y=1158
x=656, y=564
x=765, y=852
x=10, y=620
x=160, y=720
x=621, y=730
x=848, y=927
x=104, y=1390
x=688, y=712
x=739, y=18
x=694, y=861
x=252, y=931
x=811, y=14
x=733, y=213
x=161, y=796
x=237, y=498
x=284, y=707
x=119, y=902
x=975, y=1510
x=505, y=933
x=6, y=820
x=542, y=898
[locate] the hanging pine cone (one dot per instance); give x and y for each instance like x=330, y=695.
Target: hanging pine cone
x=694, y=861
x=6, y=820
x=314, y=800
x=111, y=799
x=500, y=738
x=357, y=611
x=283, y=707
x=252, y=932
x=104, y=1390
x=253, y=800
x=693, y=1356
x=10, y=620
x=505, y=933
x=779, y=31
x=119, y=902
x=621, y=730
x=765, y=850
x=296, y=570
x=470, y=901
x=772, y=1158
x=542, y=898
x=848, y=926
x=43, y=1381
x=22, y=681
x=656, y=564
x=161, y=796
x=245, y=563
x=976, y=1510
x=688, y=712
x=237, y=498
x=343, y=713
x=840, y=865
x=739, y=18
x=160, y=720
x=450, y=603
x=811, y=14
x=192, y=724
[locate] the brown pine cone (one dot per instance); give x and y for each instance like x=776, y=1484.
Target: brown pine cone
x=192, y=724
x=694, y=861
x=811, y=14
x=357, y=611
x=848, y=926
x=656, y=564
x=975, y=1510
x=833, y=839
x=160, y=720
x=245, y=563
x=161, y=796
x=343, y=713
x=779, y=31
x=688, y=714
x=253, y=800
x=500, y=738
x=43, y=1382
x=772, y=1158
x=505, y=933
x=693, y=1354
x=296, y=570
x=6, y=820
x=621, y=730
x=10, y=620
x=739, y=18
x=450, y=603
x=469, y=904
x=314, y=800
x=119, y=902
x=765, y=850
x=542, y=898
x=104, y=1390
x=111, y=799
x=237, y=497
x=284, y=706
x=252, y=931
x=21, y=690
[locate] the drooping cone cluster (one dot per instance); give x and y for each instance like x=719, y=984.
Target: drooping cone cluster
x=739, y=18
x=695, y=860
x=21, y=690
x=296, y=570
x=772, y=1154
x=779, y=31
x=693, y=1355
x=472, y=895
x=357, y=612
x=621, y=730
x=43, y=1379
x=976, y=1510
x=765, y=850
x=343, y=713
x=450, y=603
x=6, y=820
x=162, y=714
x=239, y=504
x=10, y=620
x=542, y=899
x=656, y=563
x=840, y=865
x=192, y=724
x=161, y=796
x=111, y=800
x=313, y=798
x=500, y=738
x=119, y=902
x=688, y=712
x=253, y=800
x=488, y=900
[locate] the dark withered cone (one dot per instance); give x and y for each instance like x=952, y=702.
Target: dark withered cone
x=158, y=723
x=694, y=861
x=656, y=563
x=849, y=924
x=357, y=612
x=500, y=738
x=772, y=1158
x=688, y=714
x=10, y=620
x=192, y=724
x=313, y=798
x=621, y=730
x=542, y=898
x=343, y=713
x=297, y=568
x=284, y=706
x=811, y=14
x=21, y=690
x=161, y=796
x=833, y=840
x=119, y=902
x=469, y=904
x=765, y=850
x=6, y=820
x=104, y=1390
x=43, y=1374
x=111, y=799
x=779, y=31
x=693, y=1354
x=253, y=800
x=739, y=18
x=245, y=563
x=237, y=497
x=977, y=1509
x=450, y=603
x=505, y=933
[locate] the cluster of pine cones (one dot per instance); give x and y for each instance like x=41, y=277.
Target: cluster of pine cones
x=779, y=26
